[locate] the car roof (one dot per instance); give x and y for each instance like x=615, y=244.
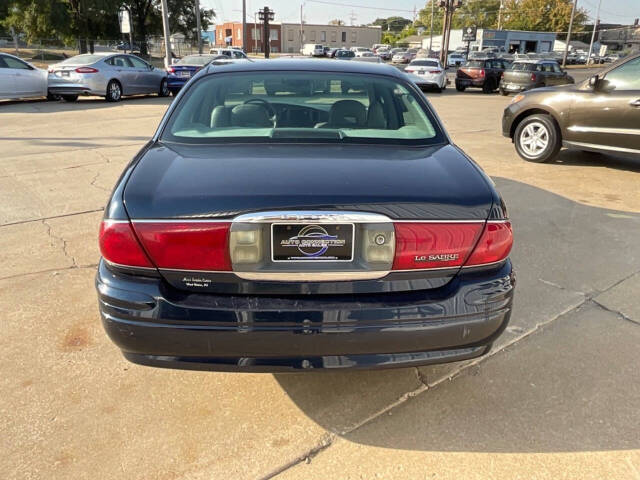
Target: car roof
x=535, y=60
x=308, y=65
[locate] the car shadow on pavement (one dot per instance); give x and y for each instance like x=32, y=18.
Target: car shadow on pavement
x=567, y=379
x=629, y=163
x=83, y=103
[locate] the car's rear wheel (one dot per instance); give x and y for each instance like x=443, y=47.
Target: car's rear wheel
x=460, y=88
x=114, y=91
x=52, y=98
x=164, y=89
x=503, y=92
x=488, y=86
x=537, y=138
x=69, y=98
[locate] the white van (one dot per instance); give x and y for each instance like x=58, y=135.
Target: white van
x=313, y=49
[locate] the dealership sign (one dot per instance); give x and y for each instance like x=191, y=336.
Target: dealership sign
x=125, y=20
x=469, y=34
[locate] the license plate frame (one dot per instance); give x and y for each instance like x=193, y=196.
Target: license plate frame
x=185, y=74
x=304, y=242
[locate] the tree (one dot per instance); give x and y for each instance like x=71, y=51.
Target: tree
x=336, y=22
x=392, y=24
x=541, y=15
x=182, y=17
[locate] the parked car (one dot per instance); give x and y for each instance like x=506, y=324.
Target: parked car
x=313, y=50
x=359, y=50
x=405, y=56
x=384, y=53
x=527, y=74
x=233, y=53
x=367, y=57
x=541, y=121
x=126, y=46
x=20, y=79
x=332, y=52
x=455, y=59
x=481, y=73
x=303, y=243
x=429, y=72
x=181, y=72
x=107, y=75
x=342, y=54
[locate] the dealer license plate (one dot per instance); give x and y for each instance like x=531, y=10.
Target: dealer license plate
x=295, y=242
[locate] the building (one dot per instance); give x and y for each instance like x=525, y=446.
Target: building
x=626, y=38
x=229, y=34
x=511, y=41
x=294, y=36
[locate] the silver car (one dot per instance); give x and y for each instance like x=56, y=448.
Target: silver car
x=106, y=75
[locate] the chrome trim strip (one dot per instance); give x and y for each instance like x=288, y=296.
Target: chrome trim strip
x=620, y=131
x=115, y=221
x=312, y=276
x=313, y=216
x=129, y=267
x=438, y=221
x=600, y=147
x=176, y=220
x=485, y=264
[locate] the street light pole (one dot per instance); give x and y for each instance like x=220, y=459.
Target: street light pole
x=198, y=26
x=593, y=34
x=165, y=30
x=566, y=47
x=244, y=25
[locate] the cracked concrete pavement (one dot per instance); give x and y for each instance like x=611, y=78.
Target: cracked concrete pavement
x=558, y=397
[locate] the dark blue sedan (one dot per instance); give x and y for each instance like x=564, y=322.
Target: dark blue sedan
x=181, y=72
x=328, y=223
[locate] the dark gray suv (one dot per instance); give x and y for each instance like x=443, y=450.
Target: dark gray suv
x=601, y=114
x=529, y=74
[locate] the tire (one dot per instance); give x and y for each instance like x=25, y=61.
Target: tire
x=174, y=92
x=488, y=86
x=438, y=90
x=460, y=88
x=503, y=92
x=52, y=98
x=114, y=91
x=537, y=138
x=163, y=91
x=69, y=98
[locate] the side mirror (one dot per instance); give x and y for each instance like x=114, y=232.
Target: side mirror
x=594, y=82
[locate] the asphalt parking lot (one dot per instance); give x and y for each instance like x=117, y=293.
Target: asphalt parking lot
x=558, y=397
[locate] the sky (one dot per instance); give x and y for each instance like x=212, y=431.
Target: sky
x=365, y=11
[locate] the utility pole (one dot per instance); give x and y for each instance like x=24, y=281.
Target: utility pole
x=198, y=26
x=593, y=34
x=445, y=4
x=566, y=47
x=266, y=15
x=165, y=30
x=500, y=15
x=449, y=7
x=433, y=3
x=244, y=25
x=301, y=31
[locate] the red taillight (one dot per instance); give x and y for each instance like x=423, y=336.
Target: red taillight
x=171, y=69
x=434, y=245
x=118, y=244
x=502, y=75
x=423, y=246
x=481, y=72
x=494, y=244
x=86, y=70
x=435, y=71
x=534, y=77
x=186, y=245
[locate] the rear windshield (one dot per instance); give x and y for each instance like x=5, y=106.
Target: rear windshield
x=82, y=59
x=475, y=64
x=301, y=107
x=523, y=67
x=196, y=60
x=424, y=63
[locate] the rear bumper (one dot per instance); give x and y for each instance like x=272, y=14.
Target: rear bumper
x=176, y=83
x=470, y=82
x=72, y=90
x=155, y=324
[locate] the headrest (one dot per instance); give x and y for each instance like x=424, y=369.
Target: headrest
x=347, y=113
x=248, y=115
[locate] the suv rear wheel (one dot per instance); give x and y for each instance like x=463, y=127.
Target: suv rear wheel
x=537, y=138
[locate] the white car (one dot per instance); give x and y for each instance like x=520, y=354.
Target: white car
x=367, y=57
x=455, y=60
x=20, y=79
x=360, y=50
x=234, y=53
x=313, y=50
x=427, y=73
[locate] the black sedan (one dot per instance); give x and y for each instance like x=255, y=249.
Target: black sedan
x=316, y=228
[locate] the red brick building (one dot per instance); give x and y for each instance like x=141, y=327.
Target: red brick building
x=230, y=34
